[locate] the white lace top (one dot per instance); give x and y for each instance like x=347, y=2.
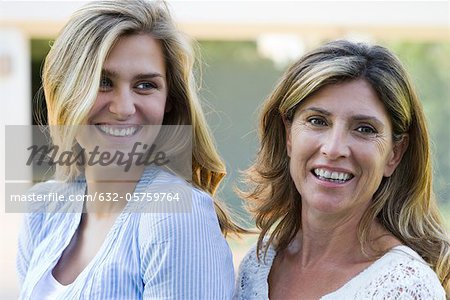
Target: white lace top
x=400, y=274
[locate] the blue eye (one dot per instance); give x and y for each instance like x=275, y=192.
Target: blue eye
x=105, y=83
x=317, y=121
x=146, y=85
x=366, y=130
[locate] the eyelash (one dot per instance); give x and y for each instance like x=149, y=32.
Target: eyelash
x=363, y=129
x=106, y=83
x=103, y=82
x=150, y=85
x=313, y=121
x=372, y=130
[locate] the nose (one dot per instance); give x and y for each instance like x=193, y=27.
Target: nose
x=122, y=104
x=335, y=144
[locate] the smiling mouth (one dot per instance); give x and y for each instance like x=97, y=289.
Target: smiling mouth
x=332, y=176
x=118, y=132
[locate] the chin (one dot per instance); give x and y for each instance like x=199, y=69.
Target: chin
x=327, y=206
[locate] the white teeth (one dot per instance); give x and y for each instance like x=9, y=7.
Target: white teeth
x=118, y=132
x=338, y=176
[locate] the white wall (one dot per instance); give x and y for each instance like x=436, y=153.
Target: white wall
x=15, y=109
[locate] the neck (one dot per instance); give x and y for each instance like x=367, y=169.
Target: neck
x=108, y=188
x=334, y=240
x=328, y=242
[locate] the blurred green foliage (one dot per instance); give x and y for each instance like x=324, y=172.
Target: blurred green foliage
x=429, y=67
x=236, y=79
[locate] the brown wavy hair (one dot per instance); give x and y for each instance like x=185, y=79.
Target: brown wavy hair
x=403, y=203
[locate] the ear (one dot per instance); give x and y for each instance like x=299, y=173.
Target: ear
x=396, y=155
x=287, y=129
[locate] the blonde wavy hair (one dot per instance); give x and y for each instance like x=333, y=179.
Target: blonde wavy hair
x=404, y=203
x=72, y=72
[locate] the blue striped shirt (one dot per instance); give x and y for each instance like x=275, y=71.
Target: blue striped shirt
x=178, y=253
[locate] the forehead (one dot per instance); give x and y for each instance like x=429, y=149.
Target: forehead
x=347, y=98
x=138, y=53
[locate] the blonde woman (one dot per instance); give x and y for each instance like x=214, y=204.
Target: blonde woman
x=117, y=69
x=341, y=187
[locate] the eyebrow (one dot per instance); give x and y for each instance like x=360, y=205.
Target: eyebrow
x=359, y=117
x=316, y=109
x=372, y=119
x=114, y=74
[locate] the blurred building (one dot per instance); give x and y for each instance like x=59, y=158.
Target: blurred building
x=281, y=31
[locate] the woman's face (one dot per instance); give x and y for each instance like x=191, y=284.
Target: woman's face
x=132, y=93
x=340, y=145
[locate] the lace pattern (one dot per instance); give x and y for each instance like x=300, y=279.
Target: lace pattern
x=400, y=274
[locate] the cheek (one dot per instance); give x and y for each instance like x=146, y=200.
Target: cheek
x=384, y=153
x=304, y=143
x=303, y=148
x=154, y=109
x=382, y=147
x=98, y=105
x=372, y=161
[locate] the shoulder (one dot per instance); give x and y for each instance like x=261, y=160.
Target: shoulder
x=41, y=190
x=182, y=250
x=402, y=272
x=54, y=197
x=56, y=186
x=253, y=273
x=181, y=209
x=50, y=204
x=171, y=193
x=43, y=219
x=263, y=260
x=47, y=198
